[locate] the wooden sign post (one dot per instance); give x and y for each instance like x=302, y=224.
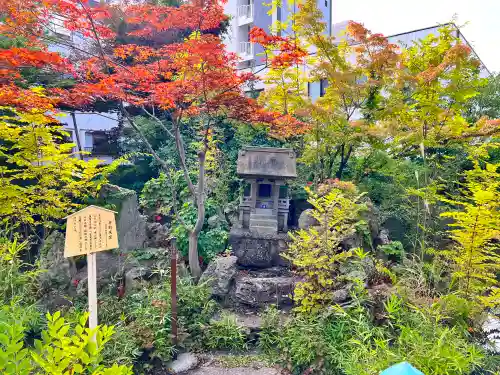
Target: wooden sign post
x=173, y=291
x=89, y=231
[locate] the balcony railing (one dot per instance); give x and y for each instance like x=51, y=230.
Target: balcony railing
x=246, y=48
x=245, y=11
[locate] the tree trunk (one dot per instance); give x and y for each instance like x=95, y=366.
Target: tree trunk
x=344, y=158
x=194, y=263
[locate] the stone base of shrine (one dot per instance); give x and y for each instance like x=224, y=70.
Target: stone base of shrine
x=258, y=250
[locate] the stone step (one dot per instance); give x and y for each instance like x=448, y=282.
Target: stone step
x=264, y=222
x=263, y=291
x=263, y=211
x=263, y=217
x=263, y=230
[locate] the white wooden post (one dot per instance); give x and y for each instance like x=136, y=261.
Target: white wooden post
x=92, y=285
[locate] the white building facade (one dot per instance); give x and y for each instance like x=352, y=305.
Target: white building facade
x=95, y=130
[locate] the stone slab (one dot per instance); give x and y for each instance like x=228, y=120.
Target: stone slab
x=267, y=162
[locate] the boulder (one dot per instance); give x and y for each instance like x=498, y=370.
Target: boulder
x=183, y=363
x=135, y=278
x=158, y=235
x=363, y=270
x=58, y=270
x=383, y=237
x=220, y=274
x=341, y=295
x=372, y=217
x=108, y=265
x=131, y=225
x=261, y=291
x=213, y=221
x=306, y=220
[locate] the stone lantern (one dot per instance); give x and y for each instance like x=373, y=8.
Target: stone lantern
x=264, y=205
x=260, y=235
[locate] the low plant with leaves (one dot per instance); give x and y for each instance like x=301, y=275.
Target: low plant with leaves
x=226, y=334
x=63, y=349
x=316, y=252
x=17, y=279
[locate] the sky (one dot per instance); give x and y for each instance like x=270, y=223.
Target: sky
x=480, y=20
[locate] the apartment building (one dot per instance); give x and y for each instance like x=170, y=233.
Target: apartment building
x=96, y=131
x=245, y=14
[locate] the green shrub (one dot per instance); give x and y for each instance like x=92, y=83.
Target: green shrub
x=393, y=249
x=143, y=320
x=316, y=252
x=225, y=333
x=349, y=342
x=17, y=279
x=212, y=240
x=63, y=349
x=270, y=334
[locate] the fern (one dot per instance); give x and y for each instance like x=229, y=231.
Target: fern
x=476, y=231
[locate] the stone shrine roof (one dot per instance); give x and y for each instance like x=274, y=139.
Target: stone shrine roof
x=278, y=163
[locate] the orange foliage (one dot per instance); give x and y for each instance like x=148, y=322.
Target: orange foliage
x=288, y=52
x=191, y=77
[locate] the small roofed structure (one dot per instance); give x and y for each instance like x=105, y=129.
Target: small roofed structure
x=264, y=205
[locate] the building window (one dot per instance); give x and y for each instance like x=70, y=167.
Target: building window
x=309, y=89
x=323, y=84
x=254, y=94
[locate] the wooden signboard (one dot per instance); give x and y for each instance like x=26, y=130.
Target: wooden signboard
x=89, y=231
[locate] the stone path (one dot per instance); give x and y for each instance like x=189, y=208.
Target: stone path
x=214, y=370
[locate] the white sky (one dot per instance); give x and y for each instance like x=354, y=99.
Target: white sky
x=397, y=16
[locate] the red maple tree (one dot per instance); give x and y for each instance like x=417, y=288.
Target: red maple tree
x=193, y=78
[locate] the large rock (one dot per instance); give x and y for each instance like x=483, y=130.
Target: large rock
x=58, y=270
x=306, y=220
x=135, y=278
x=261, y=291
x=363, y=270
x=220, y=274
x=183, y=363
x=131, y=225
x=157, y=235
x=108, y=265
x=255, y=250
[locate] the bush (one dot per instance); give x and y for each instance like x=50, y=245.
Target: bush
x=270, y=335
x=225, y=334
x=348, y=341
x=316, y=252
x=63, y=349
x=15, y=283
x=143, y=320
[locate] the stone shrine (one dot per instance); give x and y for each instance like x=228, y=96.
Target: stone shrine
x=260, y=235
x=265, y=203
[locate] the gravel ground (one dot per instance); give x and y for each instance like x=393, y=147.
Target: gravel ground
x=214, y=370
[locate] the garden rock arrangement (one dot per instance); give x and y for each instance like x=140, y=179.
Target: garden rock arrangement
x=240, y=287
x=220, y=275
